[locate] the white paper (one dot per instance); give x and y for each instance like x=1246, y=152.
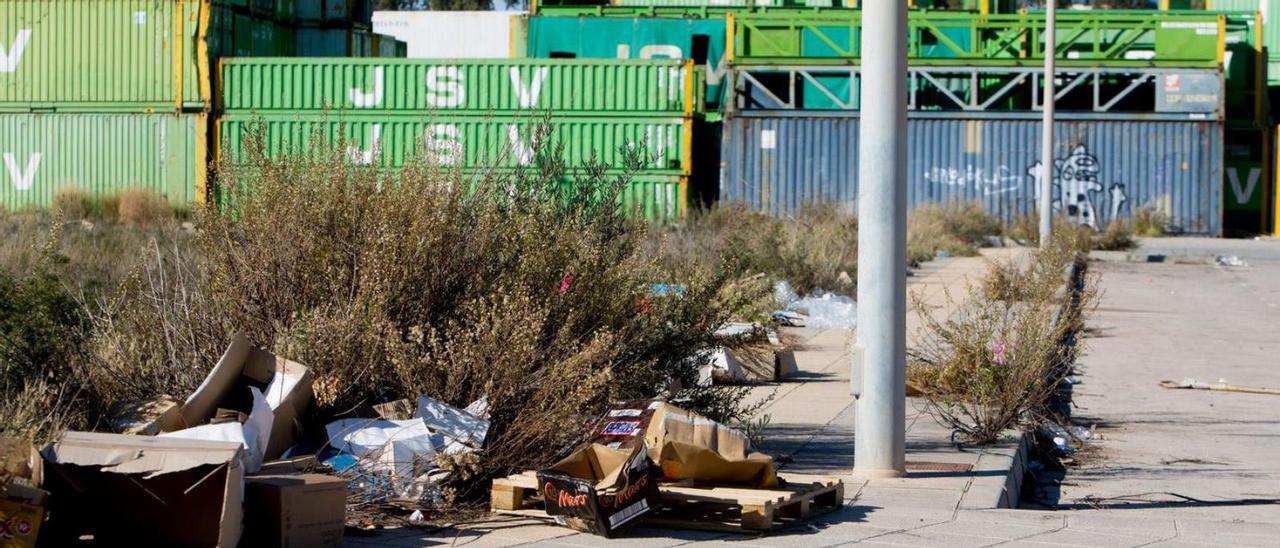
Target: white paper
x=453, y=422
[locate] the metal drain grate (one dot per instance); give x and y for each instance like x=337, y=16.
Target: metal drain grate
x=938, y=467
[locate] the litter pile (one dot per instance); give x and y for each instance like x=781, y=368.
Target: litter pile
x=652, y=461
x=243, y=460
x=239, y=458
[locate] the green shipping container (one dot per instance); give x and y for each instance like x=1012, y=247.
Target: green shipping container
x=1270, y=28
x=702, y=40
x=102, y=55
x=103, y=154
x=466, y=141
x=500, y=86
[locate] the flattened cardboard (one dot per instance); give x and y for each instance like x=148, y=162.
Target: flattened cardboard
x=600, y=490
x=656, y=422
x=285, y=385
x=712, y=452
x=682, y=461
x=295, y=510
x=134, y=490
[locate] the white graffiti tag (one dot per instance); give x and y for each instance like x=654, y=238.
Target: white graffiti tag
x=997, y=181
x=1075, y=180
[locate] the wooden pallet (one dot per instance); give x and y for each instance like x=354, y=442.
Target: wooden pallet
x=712, y=508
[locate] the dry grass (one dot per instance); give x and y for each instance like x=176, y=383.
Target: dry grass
x=143, y=208
x=956, y=228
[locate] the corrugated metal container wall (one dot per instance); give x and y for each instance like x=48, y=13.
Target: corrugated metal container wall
x=450, y=34
x=1105, y=169
x=101, y=153
x=624, y=88
x=331, y=11
x=467, y=141
x=100, y=55
x=702, y=40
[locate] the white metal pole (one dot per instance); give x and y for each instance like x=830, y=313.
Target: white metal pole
x=1046, y=128
x=879, y=445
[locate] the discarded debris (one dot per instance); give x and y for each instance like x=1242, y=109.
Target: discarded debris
x=135, y=490
x=715, y=452
x=22, y=501
x=1229, y=260
x=295, y=509
x=599, y=490
x=147, y=417
x=1221, y=385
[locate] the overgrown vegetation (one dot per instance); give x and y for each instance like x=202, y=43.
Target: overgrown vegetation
x=995, y=364
x=527, y=287
x=957, y=228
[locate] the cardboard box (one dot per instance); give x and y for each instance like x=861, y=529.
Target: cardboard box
x=147, y=417
x=295, y=510
x=21, y=514
x=136, y=490
x=600, y=490
x=711, y=452
x=286, y=385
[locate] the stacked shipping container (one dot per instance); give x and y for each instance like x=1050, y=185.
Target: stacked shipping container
x=474, y=114
x=108, y=95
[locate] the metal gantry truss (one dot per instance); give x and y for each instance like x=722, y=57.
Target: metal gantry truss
x=976, y=89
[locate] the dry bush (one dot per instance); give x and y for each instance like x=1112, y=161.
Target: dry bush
x=996, y=363
x=958, y=228
x=528, y=288
x=143, y=207
x=814, y=248
x=74, y=203
x=1118, y=236
x=984, y=371
x=1150, y=222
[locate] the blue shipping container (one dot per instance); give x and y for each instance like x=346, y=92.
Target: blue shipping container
x=1104, y=169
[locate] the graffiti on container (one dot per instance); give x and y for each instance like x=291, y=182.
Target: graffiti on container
x=1243, y=192
x=12, y=55
x=22, y=178
x=1075, y=182
x=998, y=181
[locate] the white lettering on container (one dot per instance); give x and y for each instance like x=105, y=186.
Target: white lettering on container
x=528, y=94
x=443, y=145
x=9, y=58
x=23, y=179
x=522, y=151
x=445, y=87
x=362, y=99
x=365, y=157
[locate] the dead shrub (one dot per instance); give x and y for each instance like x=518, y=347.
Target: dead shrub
x=995, y=364
x=143, y=207
x=957, y=228
x=74, y=203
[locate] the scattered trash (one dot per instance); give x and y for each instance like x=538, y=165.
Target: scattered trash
x=599, y=490
x=655, y=424
x=398, y=410
x=943, y=254
x=417, y=517
x=664, y=290
x=784, y=295
x=135, y=490
x=22, y=501
x=295, y=509
x=251, y=431
x=147, y=417
x=723, y=366
x=284, y=385
x=460, y=428
x=1221, y=385
x=787, y=318
x=1232, y=260
x=827, y=310
x=383, y=459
